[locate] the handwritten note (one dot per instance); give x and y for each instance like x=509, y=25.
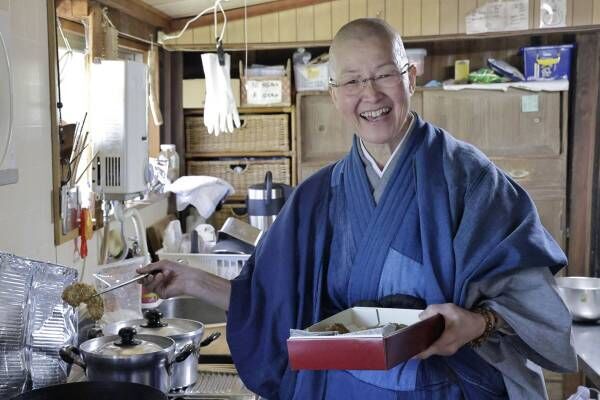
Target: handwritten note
x=496, y=16
x=264, y=92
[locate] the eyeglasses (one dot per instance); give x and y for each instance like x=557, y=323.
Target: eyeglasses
x=354, y=86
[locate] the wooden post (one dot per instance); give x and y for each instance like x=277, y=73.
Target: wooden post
x=583, y=166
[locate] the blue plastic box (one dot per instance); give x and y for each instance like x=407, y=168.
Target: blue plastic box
x=547, y=62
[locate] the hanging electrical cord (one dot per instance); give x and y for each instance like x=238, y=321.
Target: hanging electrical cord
x=4, y=152
x=245, y=35
x=64, y=60
x=213, y=9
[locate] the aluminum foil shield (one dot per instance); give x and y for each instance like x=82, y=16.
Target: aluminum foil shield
x=34, y=324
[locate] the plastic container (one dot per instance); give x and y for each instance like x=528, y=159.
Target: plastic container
x=311, y=77
x=169, y=155
x=417, y=58
x=226, y=266
x=544, y=63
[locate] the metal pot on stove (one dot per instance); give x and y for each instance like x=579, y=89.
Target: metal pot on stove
x=128, y=357
x=184, y=332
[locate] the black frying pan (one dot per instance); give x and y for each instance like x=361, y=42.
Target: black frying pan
x=96, y=391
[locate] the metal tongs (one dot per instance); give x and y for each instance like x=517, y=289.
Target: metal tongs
x=119, y=285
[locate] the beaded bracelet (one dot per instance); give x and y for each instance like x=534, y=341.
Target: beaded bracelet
x=490, y=325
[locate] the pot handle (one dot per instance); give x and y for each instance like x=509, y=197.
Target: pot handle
x=71, y=355
x=213, y=336
x=184, y=352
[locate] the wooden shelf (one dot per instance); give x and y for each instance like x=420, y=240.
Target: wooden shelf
x=246, y=110
x=249, y=154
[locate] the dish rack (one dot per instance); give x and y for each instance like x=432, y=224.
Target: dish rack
x=227, y=266
x=216, y=381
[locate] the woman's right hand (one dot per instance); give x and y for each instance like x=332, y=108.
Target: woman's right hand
x=170, y=279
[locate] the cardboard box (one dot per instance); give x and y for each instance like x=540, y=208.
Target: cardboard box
x=364, y=352
x=194, y=92
x=547, y=62
x=266, y=91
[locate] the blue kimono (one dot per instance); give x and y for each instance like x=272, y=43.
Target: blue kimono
x=449, y=227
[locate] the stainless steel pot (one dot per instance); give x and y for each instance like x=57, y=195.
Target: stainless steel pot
x=128, y=357
x=183, y=332
x=581, y=295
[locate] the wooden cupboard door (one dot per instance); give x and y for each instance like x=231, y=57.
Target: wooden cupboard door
x=532, y=173
x=551, y=207
x=513, y=123
x=324, y=134
x=416, y=102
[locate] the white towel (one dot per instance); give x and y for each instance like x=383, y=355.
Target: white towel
x=202, y=192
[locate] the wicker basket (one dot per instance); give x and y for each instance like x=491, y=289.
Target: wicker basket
x=241, y=173
x=268, y=132
x=236, y=210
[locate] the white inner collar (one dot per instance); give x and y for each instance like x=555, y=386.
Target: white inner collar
x=372, y=161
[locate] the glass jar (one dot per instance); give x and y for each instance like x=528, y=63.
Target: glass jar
x=168, y=155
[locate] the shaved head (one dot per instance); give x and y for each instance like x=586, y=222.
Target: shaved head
x=366, y=28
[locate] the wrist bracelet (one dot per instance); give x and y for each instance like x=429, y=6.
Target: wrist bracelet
x=490, y=325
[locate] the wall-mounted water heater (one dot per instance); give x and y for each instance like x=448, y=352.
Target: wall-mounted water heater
x=119, y=127
x=8, y=160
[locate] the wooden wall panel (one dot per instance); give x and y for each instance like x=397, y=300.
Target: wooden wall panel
x=412, y=18
x=430, y=17
x=235, y=31
x=570, y=12
x=464, y=7
x=254, y=29
x=340, y=14
x=202, y=35
x=358, y=9
x=583, y=11
x=394, y=14
x=376, y=9
x=270, y=28
x=448, y=17
x=186, y=38
x=305, y=23
x=323, y=21
x=287, y=26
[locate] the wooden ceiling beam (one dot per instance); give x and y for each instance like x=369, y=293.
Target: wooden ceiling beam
x=139, y=10
x=238, y=13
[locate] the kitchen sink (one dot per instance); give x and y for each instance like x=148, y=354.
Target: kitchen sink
x=192, y=308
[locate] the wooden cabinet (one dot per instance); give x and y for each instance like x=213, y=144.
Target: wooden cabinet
x=513, y=123
x=324, y=136
x=266, y=141
x=523, y=133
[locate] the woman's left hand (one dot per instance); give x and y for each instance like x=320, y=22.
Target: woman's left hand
x=462, y=326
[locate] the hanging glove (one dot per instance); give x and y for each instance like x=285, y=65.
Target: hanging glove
x=220, y=111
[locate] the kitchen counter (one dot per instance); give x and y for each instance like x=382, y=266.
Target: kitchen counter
x=586, y=338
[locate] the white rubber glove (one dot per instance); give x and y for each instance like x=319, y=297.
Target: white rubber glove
x=220, y=111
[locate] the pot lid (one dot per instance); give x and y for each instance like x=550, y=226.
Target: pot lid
x=154, y=324
x=128, y=344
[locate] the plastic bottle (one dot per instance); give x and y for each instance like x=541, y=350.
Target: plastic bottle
x=169, y=156
x=301, y=56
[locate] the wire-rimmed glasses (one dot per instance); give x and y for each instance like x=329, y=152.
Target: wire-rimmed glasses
x=355, y=86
